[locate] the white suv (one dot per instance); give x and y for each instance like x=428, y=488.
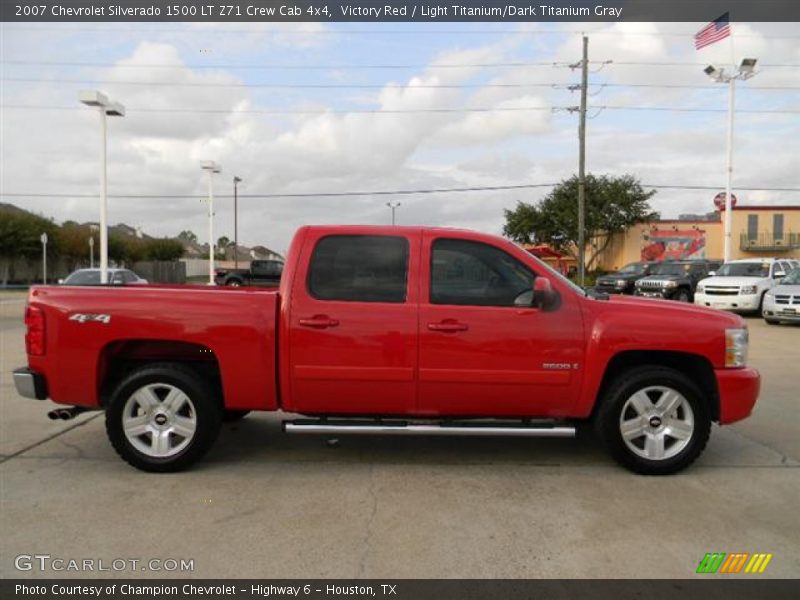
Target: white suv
x=740, y=285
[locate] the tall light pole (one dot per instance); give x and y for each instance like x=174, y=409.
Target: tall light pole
x=746, y=71
x=210, y=167
x=394, y=206
x=236, y=182
x=105, y=107
x=43, y=239
x=91, y=251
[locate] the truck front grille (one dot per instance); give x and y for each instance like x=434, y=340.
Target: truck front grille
x=651, y=284
x=787, y=299
x=722, y=291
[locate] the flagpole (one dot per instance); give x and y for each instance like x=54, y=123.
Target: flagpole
x=729, y=178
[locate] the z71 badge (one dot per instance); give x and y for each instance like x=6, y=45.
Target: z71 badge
x=85, y=318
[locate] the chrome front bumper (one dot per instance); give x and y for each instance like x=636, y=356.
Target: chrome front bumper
x=30, y=384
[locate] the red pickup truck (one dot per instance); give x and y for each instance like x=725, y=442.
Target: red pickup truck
x=391, y=330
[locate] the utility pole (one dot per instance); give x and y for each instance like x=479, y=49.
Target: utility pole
x=582, y=166
x=236, y=182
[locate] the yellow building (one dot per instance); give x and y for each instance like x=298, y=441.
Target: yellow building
x=757, y=232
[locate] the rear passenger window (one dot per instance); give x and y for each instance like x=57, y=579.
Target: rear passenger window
x=359, y=268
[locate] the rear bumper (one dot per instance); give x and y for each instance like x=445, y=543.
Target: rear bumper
x=30, y=384
x=738, y=392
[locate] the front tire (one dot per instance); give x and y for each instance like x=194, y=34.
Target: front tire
x=654, y=420
x=683, y=296
x=163, y=418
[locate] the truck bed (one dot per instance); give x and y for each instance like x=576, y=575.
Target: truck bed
x=233, y=329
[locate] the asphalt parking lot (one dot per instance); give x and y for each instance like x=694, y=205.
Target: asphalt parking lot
x=267, y=505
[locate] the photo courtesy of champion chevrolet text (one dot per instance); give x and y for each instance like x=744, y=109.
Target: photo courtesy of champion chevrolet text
x=387, y=299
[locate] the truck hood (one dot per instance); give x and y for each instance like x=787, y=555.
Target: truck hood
x=676, y=311
x=793, y=290
x=663, y=278
x=612, y=277
x=733, y=281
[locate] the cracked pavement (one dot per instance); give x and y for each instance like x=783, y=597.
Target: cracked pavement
x=265, y=504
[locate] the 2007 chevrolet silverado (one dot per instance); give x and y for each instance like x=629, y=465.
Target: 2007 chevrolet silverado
x=391, y=330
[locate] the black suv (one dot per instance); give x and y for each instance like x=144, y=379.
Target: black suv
x=675, y=279
x=622, y=281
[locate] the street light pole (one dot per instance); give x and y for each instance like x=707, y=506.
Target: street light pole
x=91, y=251
x=105, y=107
x=43, y=239
x=236, y=182
x=210, y=167
x=394, y=206
x=746, y=71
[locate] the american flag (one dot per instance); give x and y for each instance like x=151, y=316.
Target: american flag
x=713, y=32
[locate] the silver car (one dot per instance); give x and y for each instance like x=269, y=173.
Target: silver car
x=782, y=302
x=92, y=277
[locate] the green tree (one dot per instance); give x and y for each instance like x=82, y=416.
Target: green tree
x=613, y=205
x=163, y=249
x=187, y=236
x=73, y=243
x=20, y=237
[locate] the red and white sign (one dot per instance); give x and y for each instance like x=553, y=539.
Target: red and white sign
x=719, y=200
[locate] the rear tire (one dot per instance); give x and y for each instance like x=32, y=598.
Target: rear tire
x=163, y=417
x=233, y=283
x=653, y=420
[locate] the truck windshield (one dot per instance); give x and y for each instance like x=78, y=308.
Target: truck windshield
x=670, y=269
x=792, y=278
x=83, y=278
x=748, y=269
x=633, y=269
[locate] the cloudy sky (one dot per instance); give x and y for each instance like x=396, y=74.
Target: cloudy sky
x=327, y=108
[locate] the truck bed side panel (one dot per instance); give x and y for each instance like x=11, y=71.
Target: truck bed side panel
x=235, y=327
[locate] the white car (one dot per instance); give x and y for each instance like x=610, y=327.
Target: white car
x=740, y=285
x=92, y=277
x=782, y=303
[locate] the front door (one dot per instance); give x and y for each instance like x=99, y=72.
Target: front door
x=484, y=351
x=353, y=325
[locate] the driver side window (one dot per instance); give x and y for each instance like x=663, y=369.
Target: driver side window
x=473, y=273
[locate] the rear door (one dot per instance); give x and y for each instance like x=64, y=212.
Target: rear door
x=353, y=324
x=484, y=351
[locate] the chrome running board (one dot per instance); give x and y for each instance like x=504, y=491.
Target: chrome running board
x=482, y=428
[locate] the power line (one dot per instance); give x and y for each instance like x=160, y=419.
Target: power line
x=341, y=67
x=378, y=32
x=325, y=86
x=335, y=67
x=379, y=111
x=492, y=188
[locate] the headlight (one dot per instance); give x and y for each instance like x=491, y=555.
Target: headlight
x=770, y=294
x=671, y=284
x=621, y=283
x=749, y=289
x=736, y=347
x=701, y=289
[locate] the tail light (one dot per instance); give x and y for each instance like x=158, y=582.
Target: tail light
x=35, y=336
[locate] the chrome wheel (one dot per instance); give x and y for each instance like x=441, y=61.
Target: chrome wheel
x=656, y=422
x=159, y=420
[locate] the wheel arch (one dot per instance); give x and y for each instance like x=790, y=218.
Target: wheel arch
x=121, y=357
x=698, y=368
